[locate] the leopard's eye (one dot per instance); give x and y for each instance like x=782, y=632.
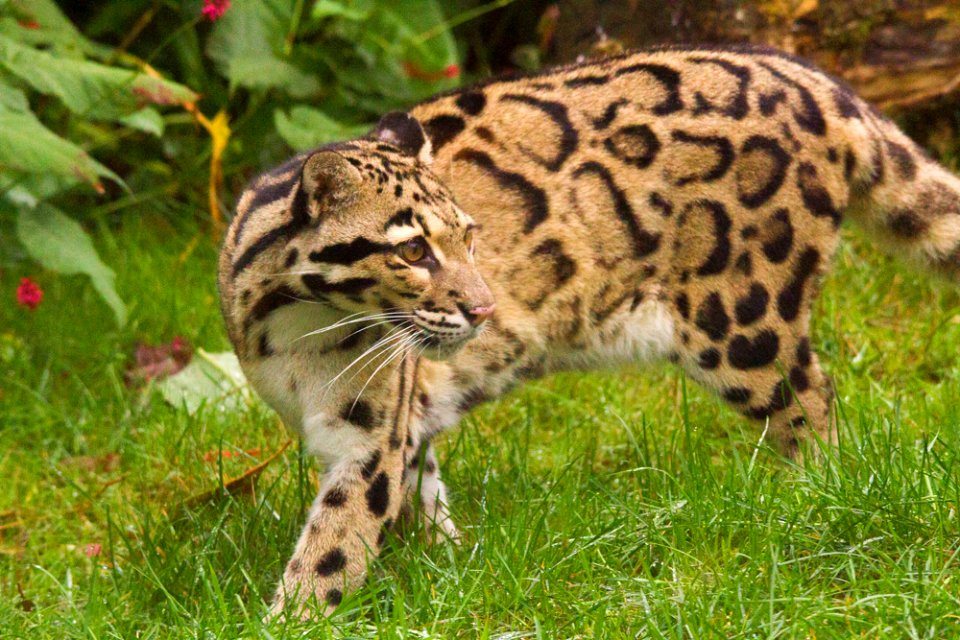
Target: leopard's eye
x=413, y=250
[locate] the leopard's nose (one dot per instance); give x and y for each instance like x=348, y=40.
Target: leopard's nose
x=478, y=315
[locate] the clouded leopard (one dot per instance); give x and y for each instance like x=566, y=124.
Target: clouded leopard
x=672, y=204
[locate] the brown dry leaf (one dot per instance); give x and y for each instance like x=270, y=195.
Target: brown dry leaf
x=242, y=485
x=159, y=361
x=102, y=464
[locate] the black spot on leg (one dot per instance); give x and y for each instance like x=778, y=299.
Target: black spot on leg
x=737, y=395
x=815, y=196
x=378, y=495
x=779, y=241
x=331, y=563
x=712, y=318
x=753, y=306
x=906, y=224
x=790, y=298
x=291, y=258
x=334, y=596
x=803, y=352
x=382, y=537
x=370, y=466
x=336, y=497
x=683, y=305
x=709, y=359
x=744, y=353
x=799, y=380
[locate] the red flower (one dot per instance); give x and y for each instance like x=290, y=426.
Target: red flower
x=214, y=9
x=93, y=549
x=29, y=294
x=451, y=71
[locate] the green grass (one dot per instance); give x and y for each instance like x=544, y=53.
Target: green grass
x=614, y=504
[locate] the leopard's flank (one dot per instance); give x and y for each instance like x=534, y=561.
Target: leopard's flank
x=674, y=204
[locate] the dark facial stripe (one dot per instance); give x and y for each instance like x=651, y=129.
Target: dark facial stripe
x=534, y=198
x=738, y=107
x=644, y=242
x=668, y=78
x=811, y=118
x=558, y=113
x=320, y=287
x=301, y=219
x=402, y=218
x=270, y=302
x=347, y=253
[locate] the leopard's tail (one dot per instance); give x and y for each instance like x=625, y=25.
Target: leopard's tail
x=904, y=199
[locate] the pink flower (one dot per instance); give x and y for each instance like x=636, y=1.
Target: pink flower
x=29, y=294
x=214, y=9
x=451, y=71
x=93, y=549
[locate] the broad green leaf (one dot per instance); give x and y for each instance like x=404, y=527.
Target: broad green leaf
x=212, y=379
x=88, y=88
x=248, y=45
x=306, y=128
x=12, y=99
x=347, y=9
x=147, y=119
x=40, y=22
x=27, y=146
x=60, y=244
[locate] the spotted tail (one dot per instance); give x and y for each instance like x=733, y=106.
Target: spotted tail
x=907, y=201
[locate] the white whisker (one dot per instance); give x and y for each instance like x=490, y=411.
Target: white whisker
x=388, y=338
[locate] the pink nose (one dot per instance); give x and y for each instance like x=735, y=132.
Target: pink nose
x=478, y=315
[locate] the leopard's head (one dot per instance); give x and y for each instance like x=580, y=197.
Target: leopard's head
x=387, y=242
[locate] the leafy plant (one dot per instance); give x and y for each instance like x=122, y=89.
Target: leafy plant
x=81, y=121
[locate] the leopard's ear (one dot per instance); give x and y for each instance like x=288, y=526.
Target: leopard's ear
x=330, y=182
x=405, y=132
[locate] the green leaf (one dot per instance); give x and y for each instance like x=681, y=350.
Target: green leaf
x=147, y=119
x=248, y=45
x=88, y=88
x=306, y=128
x=213, y=379
x=355, y=10
x=27, y=146
x=60, y=244
x=40, y=22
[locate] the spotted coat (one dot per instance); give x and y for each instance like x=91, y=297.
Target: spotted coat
x=676, y=203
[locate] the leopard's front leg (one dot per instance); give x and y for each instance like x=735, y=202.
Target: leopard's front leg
x=360, y=496
x=358, y=501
